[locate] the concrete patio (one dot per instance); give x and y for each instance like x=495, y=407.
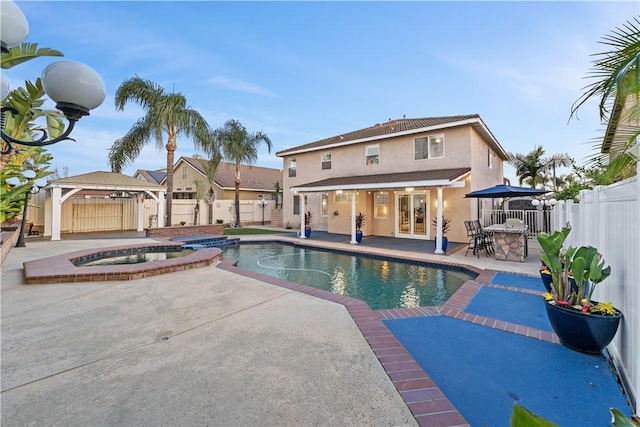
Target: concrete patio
x=199, y=347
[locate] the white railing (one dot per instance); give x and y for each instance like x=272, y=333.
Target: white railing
x=535, y=220
x=607, y=218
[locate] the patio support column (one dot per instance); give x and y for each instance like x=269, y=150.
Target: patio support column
x=353, y=218
x=140, y=203
x=303, y=211
x=56, y=212
x=161, y=205
x=439, y=223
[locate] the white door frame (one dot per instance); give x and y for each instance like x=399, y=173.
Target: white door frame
x=427, y=219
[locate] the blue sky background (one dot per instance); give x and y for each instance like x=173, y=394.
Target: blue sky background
x=303, y=71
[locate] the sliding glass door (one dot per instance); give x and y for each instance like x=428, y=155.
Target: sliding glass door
x=412, y=214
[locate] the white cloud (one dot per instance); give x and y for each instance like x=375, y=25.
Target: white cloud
x=226, y=83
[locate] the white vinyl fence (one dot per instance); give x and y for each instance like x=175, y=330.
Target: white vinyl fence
x=101, y=214
x=608, y=219
x=251, y=212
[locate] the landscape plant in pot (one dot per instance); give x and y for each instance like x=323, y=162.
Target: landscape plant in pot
x=580, y=323
x=308, y=219
x=361, y=220
x=445, y=229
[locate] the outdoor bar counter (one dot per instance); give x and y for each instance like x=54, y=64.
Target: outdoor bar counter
x=510, y=242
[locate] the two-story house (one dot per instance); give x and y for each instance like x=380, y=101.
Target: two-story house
x=400, y=174
x=256, y=182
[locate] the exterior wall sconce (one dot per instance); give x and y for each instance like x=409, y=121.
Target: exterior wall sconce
x=75, y=88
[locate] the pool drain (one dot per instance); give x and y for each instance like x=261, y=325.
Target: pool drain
x=164, y=338
x=513, y=395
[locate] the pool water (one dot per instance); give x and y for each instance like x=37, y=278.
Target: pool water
x=381, y=283
x=133, y=258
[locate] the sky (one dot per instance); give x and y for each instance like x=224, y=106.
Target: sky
x=304, y=71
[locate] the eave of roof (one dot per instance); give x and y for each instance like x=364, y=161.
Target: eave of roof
x=427, y=178
x=105, y=181
x=400, y=127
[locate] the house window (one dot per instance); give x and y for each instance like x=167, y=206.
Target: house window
x=325, y=205
x=381, y=205
x=431, y=147
x=372, y=154
x=489, y=158
x=296, y=205
x=344, y=197
x=292, y=167
x=326, y=160
x=184, y=172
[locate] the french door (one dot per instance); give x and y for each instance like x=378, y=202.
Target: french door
x=412, y=215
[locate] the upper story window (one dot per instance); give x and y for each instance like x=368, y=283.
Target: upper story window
x=326, y=160
x=490, y=155
x=431, y=147
x=372, y=154
x=184, y=172
x=292, y=167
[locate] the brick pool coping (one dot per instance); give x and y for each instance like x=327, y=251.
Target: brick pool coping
x=428, y=404
x=60, y=269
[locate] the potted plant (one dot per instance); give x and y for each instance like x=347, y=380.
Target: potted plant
x=580, y=323
x=361, y=220
x=308, y=219
x=445, y=229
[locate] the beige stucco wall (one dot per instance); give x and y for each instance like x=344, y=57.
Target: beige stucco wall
x=463, y=148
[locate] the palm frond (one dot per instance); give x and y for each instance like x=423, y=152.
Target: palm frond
x=25, y=52
x=126, y=149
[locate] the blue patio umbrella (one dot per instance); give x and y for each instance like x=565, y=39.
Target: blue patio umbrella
x=505, y=191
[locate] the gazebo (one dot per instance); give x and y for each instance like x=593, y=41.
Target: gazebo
x=99, y=183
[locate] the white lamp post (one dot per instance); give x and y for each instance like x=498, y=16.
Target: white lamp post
x=75, y=88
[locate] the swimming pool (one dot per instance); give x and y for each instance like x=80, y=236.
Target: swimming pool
x=383, y=283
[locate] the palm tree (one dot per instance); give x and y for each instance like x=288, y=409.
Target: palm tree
x=617, y=71
x=210, y=167
x=555, y=161
x=165, y=113
x=532, y=168
x=239, y=146
x=617, y=84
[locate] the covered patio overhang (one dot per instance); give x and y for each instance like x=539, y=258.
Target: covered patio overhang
x=439, y=179
x=62, y=189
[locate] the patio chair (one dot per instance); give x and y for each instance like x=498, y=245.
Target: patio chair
x=477, y=240
x=487, y=236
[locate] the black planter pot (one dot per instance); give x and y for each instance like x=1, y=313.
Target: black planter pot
x=547, y=280
x=586, y=333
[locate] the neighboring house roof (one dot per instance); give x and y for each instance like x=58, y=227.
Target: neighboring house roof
x=391, y=180
x=152, y=176
x=619, y=128
x=105, y=181
x=254, y=178
x=394, y=128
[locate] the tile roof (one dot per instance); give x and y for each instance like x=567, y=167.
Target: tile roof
x=399, y=127
x=153, y=176
x=104, y=181
x=426, y=177
x=253, y=177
